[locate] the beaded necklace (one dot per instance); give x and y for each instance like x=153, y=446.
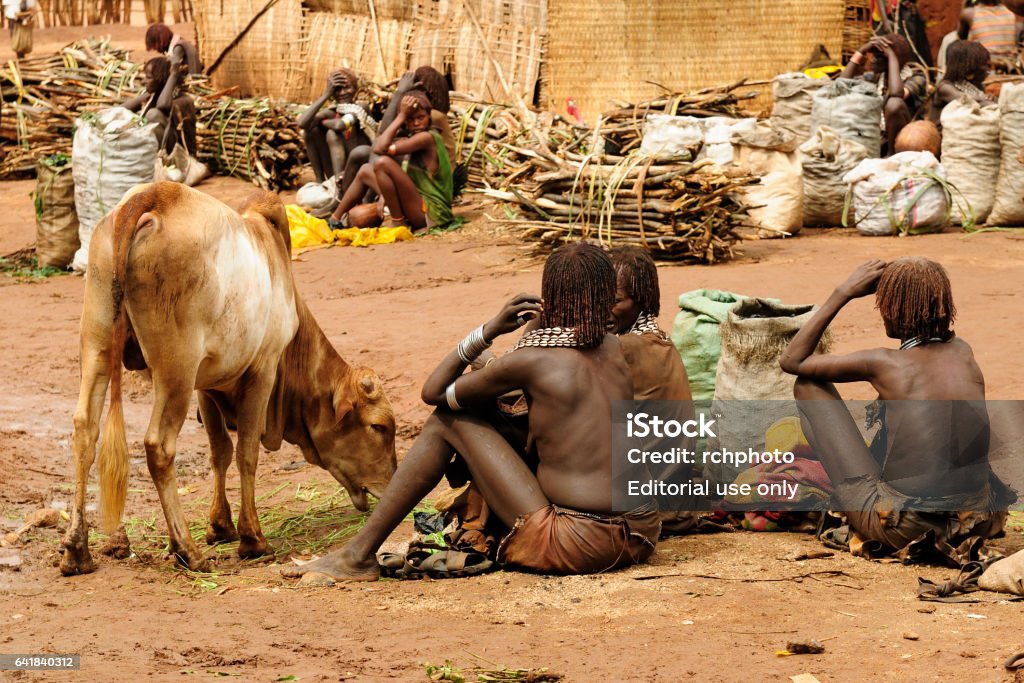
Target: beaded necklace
x=550, y=337
x=645, y=323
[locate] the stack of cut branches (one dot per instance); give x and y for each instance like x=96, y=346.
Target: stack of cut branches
x=568, y=187
x=255, y=139
x=43, y=96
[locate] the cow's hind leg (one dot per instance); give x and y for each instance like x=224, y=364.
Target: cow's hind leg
x=95, y=376
x=172, y=397
x=222, y=528
x=252, y=415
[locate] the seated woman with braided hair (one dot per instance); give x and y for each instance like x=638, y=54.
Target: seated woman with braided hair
x=925, y=489
x=417, y=193
x=571, y=371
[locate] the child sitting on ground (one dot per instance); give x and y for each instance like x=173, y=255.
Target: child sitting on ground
x=416, y=193
x=331, y=133
x=163, y=103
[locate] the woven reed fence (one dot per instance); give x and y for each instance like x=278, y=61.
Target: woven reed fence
x=602, y=50
x=269, y=60
x=351, y=40
x=83, y=12
x=856, y=26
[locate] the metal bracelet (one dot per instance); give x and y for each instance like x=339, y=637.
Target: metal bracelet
x=472, y=346
x=449, y=395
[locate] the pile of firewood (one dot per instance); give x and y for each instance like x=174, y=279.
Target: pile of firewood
x=571, y=182
x=44, y=95
x=255, y=139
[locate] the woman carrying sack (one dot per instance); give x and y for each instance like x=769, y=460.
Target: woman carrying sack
x=20, y=15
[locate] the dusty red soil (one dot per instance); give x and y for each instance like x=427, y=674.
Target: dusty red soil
x=398, y=308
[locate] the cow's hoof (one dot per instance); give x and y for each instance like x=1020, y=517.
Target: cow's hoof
x=76, y=560
x=117, y=546
x=251, y=548
x=190, y=558
x=220, y=533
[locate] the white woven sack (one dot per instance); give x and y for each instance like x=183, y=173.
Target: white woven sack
x=897, y=195
x=1008, y=208
x=970, y=155
x=112, y=152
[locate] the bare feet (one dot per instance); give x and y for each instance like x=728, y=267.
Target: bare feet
x=393, y=222
x=340, y=565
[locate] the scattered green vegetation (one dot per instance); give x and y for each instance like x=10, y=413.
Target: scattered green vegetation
x=488, y=672
x=23, y=265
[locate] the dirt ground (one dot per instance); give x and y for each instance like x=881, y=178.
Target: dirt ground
x=398, y=308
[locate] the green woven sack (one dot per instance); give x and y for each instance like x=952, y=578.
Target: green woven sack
x=696, y=336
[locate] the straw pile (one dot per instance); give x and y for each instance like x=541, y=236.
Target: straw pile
x=567, y=185
x=50, y=91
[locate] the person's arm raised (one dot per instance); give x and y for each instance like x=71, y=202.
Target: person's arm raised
x=490, y=381
x=166, y=98
x=799, y=358
x=308, y=117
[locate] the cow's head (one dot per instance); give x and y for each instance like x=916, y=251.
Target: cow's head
x=355, y=440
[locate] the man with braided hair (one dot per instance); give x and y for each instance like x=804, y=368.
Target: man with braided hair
x=571, y=371
x=924, y=490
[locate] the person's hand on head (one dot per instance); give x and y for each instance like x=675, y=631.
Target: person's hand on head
x=864, y=280
x=517, y=312
x=406, y=82
x=408, y=105
x=334, y=80
x=175, y=59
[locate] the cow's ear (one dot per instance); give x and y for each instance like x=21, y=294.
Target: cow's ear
x=342, y=407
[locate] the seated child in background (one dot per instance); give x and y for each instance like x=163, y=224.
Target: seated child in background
x=901, y=84
x=332, y=133
x=431, y=82
x=966, y=69
x=417, y=194
x=163, y=103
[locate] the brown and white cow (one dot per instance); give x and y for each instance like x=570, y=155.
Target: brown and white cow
x=203, y=296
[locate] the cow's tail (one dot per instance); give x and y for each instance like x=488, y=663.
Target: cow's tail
x=113, y=458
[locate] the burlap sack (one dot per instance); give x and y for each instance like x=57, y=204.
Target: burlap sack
x=970, y=155
x=776, y=204
x=1005, y=575
x=21, y=36
x=1008, y=208
x=824, y=160
x=852, y=108
x=793, y=99
x=56, y=220
x=754, y=336
x=695, y=334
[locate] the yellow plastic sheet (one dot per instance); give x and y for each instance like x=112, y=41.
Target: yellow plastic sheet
x=308, y=232
x=362, y=237
x=822, y=71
